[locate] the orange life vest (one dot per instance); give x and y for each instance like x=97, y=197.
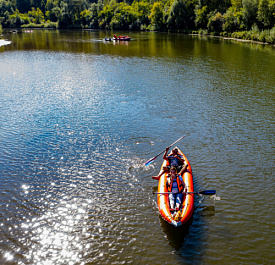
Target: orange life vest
x=169, y=183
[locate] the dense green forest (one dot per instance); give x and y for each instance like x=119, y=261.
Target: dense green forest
x=248, y=19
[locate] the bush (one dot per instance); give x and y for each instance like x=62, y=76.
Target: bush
x=52, y=25
x=202, y=32
x=225, y=34
x=272, y=35
x=267, y=36
x=255, y=34
x=33, y=25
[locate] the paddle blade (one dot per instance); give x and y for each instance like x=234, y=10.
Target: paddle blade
x=207, y=192
x=150, y=161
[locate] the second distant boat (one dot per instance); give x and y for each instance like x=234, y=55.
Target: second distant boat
x=121, y=38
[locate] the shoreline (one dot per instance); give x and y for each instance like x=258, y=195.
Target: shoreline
x=235, y=39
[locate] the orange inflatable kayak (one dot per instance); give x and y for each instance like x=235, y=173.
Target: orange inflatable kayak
x=187, y=207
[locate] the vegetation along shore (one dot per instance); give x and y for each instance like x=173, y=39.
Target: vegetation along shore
x=242, y=19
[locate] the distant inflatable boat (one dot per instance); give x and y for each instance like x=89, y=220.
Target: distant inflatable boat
x=121, y=38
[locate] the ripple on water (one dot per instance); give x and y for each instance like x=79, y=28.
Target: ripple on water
x=77, y=127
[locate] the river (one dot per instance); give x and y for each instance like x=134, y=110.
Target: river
x=79, y=118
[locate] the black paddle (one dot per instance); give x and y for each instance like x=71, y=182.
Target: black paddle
x=202, y=192
x=151, y=160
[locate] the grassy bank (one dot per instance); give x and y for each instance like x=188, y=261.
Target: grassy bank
x=264, y=36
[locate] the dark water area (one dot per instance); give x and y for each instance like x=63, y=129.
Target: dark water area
x=79, y=117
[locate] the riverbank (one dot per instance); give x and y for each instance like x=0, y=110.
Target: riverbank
x=255, y=35
x=234, y=39
x=251, y=41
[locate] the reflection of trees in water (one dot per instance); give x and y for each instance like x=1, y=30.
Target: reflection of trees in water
x=86, y=41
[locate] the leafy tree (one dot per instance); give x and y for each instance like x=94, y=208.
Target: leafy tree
x=143, y=11
x=65, y=18
x=190, y=13
x=15, y=19
x=215, y=22
x=36, y=16
x=6, y=5
x=266, y=13
x=205, y=8
x=124, y=17
x=233, y=20
x=23, y=5
x=84, y=16
x=38, y=4
x=271, y=7
x=69, y=16
x=236, y=3
x=230, y=21
x=174, y=15
x=156, y=16
x=53, y=14
x=201, y=16
x=212, y=5
x=263, y=14
x=105, y=16
x=94, y=17
x=250, y=11
x=178, y=16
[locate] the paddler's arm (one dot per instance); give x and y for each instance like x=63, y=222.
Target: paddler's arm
x=165, y=154
x=183, y=169
x=181, y=159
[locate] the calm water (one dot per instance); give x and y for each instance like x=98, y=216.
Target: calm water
x=78, y=119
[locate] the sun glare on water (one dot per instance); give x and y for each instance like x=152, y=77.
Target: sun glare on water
x=56, y=236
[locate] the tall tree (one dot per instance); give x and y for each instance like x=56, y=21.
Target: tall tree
x=23, y=6
x=143, y=11
x=266, y=13
x=182, y=15
x=236, y=3
x=250, y=11
x=156, y=16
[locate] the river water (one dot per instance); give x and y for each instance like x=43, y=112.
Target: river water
x=80, y=117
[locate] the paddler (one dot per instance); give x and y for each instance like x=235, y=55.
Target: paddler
x=175, y=159
x=176, y=185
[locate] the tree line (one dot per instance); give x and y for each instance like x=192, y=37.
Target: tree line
x=250, y=19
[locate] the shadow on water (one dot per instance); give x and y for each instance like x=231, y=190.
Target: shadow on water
x=187, y=240
x=207, y=211
x=175, y=235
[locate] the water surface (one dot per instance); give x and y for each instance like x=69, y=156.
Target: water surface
x=79, y=117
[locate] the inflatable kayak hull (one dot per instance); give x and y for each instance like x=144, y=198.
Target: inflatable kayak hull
x=122, y=38
x=187, y=209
